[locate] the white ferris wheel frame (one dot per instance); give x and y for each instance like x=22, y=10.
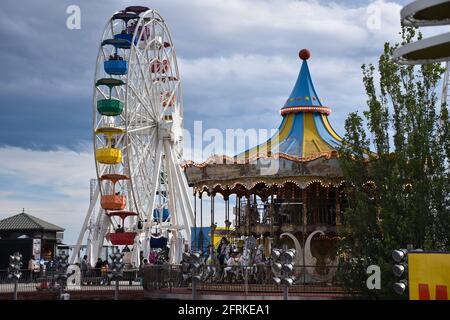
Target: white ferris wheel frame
x=155, y=178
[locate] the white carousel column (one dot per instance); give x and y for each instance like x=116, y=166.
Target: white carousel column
x=212, y=219
x=201, y=221
x=195, y=220
x=89, y=212
x=227, y=212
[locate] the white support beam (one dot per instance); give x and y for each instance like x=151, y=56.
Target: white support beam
x=175, y=245
x=180, y=197
x=184, y=189
x=188, y=215
x=89, y=212
x=154, y=187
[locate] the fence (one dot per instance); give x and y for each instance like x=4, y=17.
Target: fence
x=51, y=282
x=285, y=213
x=256, y=278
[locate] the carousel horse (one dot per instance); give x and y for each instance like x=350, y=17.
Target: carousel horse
x=259, y=265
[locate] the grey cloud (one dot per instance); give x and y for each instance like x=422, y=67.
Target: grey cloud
x=47, y=70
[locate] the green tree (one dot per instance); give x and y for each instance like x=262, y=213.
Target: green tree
x=398, y=193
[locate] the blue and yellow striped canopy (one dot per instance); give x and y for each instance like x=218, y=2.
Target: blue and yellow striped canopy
x=304, y=133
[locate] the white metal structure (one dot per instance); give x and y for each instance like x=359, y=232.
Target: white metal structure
x=423, y=13
x=429, y=50
x=151, y=142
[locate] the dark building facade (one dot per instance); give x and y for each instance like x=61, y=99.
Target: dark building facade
x=28, y=235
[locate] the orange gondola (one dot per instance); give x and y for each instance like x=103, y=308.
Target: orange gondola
x=115, y=200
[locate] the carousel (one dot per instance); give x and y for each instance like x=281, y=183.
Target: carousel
x=288, y=191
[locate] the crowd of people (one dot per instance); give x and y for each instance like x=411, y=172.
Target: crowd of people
x=224, y=263
x=99, y=273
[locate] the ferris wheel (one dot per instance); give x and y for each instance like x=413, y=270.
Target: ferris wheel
x=137, y=132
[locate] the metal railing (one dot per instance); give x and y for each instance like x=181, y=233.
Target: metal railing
x=255, y=278
x=238, y=278
x=284, y=213
x=50, y=281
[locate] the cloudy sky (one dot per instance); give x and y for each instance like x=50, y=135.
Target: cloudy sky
x=238, y=60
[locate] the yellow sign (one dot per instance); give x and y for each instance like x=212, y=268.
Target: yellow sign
x=218, y=234
x=429, y=276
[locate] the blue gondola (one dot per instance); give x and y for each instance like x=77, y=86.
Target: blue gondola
x=126, y=17
x=116, y=65
x=127, y=37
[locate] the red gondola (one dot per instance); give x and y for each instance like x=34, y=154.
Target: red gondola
x=120, y=236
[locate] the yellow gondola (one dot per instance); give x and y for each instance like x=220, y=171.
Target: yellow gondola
x=109, y=154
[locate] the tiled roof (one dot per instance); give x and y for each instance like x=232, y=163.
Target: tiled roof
x=24, y=221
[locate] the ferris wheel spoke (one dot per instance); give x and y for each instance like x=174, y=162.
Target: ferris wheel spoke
x=104, y=95
x=142, y=153
x=145, y=78
x=141, y=185
x=145, y=128
x=139, y=116
x=144, y=105
x=139, y=163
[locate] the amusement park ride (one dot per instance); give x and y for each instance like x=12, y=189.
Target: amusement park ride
x=427, y=13
x=137, y=131
x=142, y=191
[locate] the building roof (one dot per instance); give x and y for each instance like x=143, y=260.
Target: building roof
x=24, y=221
x=303, y=150
x=303, y=94
x=305, y=133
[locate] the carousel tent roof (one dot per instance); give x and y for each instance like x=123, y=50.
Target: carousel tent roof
x=305, y=132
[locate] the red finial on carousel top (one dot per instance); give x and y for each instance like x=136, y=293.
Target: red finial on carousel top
x=304, y=54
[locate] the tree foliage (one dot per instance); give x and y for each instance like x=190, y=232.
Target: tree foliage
x=406, y=201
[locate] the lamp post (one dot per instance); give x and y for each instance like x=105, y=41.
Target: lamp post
x=116, y=272
x=400, y=268
x=283, y=268
x=14, y=273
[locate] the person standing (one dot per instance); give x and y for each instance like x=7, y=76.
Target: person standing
x=221, y=250
x=104, y=273
x=34, y=268
x=98, y=270
x=30, y=268
x=84, y=267
x=98, y=267
x=143, y=265
x=42, y=267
